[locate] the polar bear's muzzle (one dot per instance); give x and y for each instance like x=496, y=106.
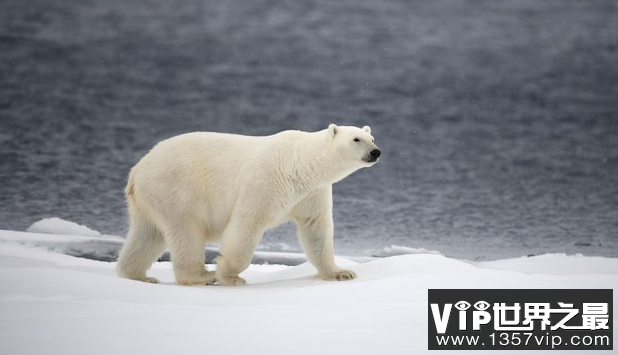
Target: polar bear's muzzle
x=373, y=156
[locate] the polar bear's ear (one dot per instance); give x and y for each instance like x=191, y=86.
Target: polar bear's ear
x=332, y=128
x=367, y=129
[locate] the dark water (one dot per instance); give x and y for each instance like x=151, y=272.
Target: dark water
x=497, y=119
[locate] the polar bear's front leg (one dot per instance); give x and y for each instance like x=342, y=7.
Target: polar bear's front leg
x=316, y=236
x=314, y=219
x=237, y=246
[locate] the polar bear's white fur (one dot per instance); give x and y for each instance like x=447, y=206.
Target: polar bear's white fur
x=202, y=187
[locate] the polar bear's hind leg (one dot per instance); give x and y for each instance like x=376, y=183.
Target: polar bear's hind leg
x=144, y=245
x=237, y=248
x=187, y=252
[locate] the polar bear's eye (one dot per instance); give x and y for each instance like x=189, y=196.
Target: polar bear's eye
x=356, y=140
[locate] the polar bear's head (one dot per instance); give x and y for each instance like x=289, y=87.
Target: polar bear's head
x=354, y=146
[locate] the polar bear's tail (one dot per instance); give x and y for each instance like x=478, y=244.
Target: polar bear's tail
x=129, y=191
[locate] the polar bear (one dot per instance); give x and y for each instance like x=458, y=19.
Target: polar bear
x=204, y=187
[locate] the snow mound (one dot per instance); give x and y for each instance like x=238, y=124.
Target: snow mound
x=554, y=264
x=395, y=250
x=278, y=247
x=56, y=225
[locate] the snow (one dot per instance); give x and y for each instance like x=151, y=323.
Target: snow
x=394, y=250
x=103, y=248
x=56, y=303
x=56, y=225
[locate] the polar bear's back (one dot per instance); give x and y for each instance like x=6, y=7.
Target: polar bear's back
x=200, y=154
x=200, y=175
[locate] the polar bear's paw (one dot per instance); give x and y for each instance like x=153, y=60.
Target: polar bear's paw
x=340, y=275
x=150, y=280
x=198, y=279
x=231, y=281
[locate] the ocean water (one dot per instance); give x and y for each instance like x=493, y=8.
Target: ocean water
x=498, y=120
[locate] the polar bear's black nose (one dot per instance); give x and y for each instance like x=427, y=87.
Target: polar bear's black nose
x=375, y=154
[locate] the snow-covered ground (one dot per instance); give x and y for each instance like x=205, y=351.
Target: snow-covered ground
x=53, y=303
